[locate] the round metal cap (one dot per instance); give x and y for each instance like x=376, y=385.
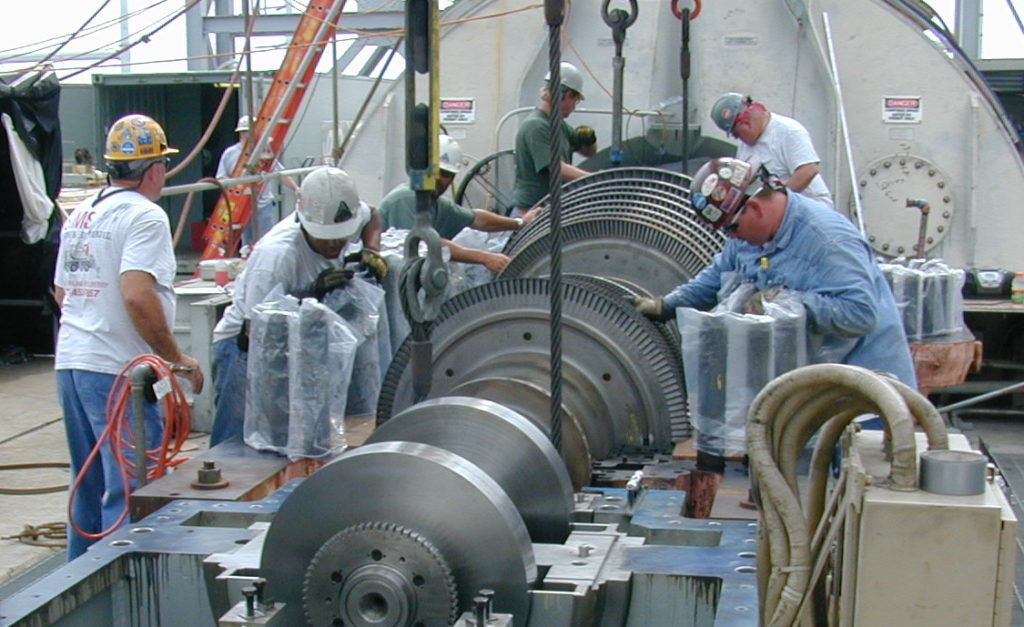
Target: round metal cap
x=953, y=473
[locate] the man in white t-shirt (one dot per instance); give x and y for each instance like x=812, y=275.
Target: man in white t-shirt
x=264, y=217
x=114, y=285
x=304, y=255
x=781, y=144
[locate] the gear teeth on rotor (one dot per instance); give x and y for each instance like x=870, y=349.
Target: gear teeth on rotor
x=663, y=363
x=390, y=529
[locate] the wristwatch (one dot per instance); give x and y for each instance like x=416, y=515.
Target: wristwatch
x=519, y=223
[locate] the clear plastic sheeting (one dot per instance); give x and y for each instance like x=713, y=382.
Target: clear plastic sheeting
x=929, y=296
x=392, y=243
x=301, y=356
x=728, y=357
x=470, y=275
x=361, y=304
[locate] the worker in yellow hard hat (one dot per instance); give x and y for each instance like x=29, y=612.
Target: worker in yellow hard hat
x=114, y=286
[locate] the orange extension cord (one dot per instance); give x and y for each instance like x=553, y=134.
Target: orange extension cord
x=119, y=433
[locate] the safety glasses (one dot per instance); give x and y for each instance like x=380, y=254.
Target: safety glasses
x=734, y=224
x=743, y=117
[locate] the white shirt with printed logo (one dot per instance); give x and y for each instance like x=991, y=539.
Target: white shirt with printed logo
x=107, y=235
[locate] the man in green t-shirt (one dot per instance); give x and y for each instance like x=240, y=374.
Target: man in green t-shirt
x=533, y=152
x=398, y=209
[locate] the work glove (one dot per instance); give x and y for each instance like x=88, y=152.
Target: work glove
x=758, y=300
x=328, y=281
x=376, y=265
x=581, y=137
x=653, y=308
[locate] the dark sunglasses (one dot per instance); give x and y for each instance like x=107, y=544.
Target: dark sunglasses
x=734, y=224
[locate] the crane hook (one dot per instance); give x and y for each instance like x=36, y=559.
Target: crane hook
x=679, y=14
x=619, y=18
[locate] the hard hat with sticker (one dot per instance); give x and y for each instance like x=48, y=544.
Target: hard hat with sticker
x=711, y=213
x=136, y=136
x=724, y=184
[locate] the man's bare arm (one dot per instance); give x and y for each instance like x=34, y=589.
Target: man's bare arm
x=138, y=289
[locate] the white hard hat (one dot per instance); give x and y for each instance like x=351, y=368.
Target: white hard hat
x=329, y=206
x=243, y=124
x=450, y=154
x=571, y=77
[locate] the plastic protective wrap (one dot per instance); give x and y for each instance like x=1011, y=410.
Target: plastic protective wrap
x=300, y=362
x=469, y=275
x=361, y=304
x=392, y=242
x=729, y=356
x=929, y=296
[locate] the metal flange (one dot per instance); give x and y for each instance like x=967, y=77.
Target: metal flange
x=448, y=502
x=376, y=574
x=502, y=443
x=885, y=186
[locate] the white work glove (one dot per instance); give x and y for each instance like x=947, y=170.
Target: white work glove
x=757, y=301
x=653, y=308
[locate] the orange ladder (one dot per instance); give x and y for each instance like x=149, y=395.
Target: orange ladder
x=268, y=130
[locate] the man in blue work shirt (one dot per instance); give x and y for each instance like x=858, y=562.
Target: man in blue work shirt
x=779, y=239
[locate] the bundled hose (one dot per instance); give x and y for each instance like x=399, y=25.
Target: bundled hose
x=121, y=437
x=783, y=418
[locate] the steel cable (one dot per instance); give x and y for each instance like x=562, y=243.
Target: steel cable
x=554, y=13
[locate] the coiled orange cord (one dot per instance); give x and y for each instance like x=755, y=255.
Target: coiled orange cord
x=119, y=432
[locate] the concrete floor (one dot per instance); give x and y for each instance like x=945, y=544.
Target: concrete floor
x=31, y=431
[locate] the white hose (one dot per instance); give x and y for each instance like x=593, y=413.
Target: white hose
x=782, y=419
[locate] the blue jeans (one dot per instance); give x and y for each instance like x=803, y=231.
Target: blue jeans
x=99, y=500
x=229, y=367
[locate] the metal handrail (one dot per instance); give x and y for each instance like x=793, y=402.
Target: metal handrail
x=258, y=177
x=970, y=402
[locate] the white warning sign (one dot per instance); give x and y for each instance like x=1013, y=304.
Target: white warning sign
x=901, y=109
x=458, y=110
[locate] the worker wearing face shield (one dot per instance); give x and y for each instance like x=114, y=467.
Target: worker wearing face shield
x=780, y=143
x=782, y=240
x=304, y=254
x=398, y=210
x=533, y=141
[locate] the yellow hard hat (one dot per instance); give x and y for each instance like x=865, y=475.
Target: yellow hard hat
x=136, y=136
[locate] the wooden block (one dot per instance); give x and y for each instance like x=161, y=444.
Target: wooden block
x=685, y=449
